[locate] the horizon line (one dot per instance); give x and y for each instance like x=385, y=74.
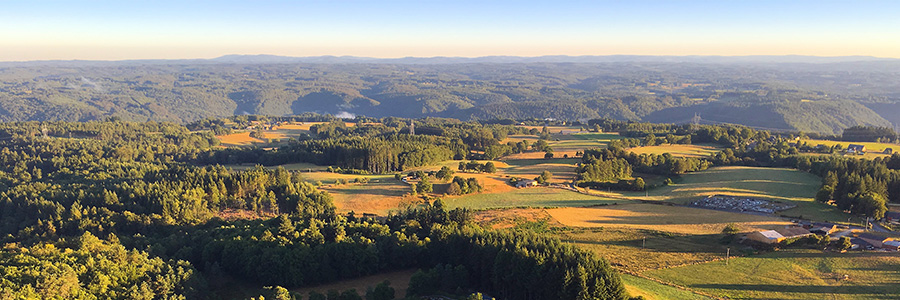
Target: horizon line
x=868, y=57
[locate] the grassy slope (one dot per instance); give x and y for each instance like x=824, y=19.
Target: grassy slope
x=652, y=290
x=797, y=274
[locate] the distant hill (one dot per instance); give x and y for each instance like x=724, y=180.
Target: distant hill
x=816, y=94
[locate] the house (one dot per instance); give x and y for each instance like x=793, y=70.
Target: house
x=876, y=241
x=823, y=228
x=752, y=145
x=892, y=216
x=888, y=151
x=891, y=245
x=526, y=183
x=856, y=149
x=860, y=244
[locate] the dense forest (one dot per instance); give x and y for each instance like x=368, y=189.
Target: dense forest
x=811, y=97
x=122, y=210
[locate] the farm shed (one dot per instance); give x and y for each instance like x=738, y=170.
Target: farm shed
x=791, y=232
x=766, y=237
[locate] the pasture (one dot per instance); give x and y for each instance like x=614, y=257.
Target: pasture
x=776, y=184
x=672, y=219
x=793, y=274
x=526, y=197
x=638, y=250
x=871, y=147
x=678, y=150
x=563, y=144
x=652, y=290
x=563, y=169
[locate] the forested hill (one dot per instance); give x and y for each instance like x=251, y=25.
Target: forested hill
x=807, y=94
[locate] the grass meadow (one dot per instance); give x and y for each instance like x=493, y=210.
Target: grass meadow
x=678, y=150
x=776, y=184
x=527, y=197
x=652, y=290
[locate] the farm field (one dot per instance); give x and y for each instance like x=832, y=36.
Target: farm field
x=776, y=184
x=639, y=250
x=526, y=197
x=665, y=218
x=652, y=290
x=563, y=169
x=870, y=146
x=304, y=167
x=678, y=150
x=280, y=132
x=793, y=274
x=563, y=144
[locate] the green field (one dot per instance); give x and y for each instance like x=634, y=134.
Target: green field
x=797, y=274
x=581, y=141
x=777, y=184
x=527, y=197
x=652, y=290
x=563, y=169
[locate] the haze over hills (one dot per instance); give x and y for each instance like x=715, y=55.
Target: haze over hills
x=814, y=94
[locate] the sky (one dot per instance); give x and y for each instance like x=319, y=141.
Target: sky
x=135, y=29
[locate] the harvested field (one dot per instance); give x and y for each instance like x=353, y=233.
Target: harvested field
x=508, y=218
x=675, y=219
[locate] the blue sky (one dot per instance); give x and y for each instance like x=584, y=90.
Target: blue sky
x=33, y=30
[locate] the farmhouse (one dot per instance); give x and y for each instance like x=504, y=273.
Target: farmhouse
x=892, y=216
x=891, y=245
x=526, y=183
x=820, y=228
x=856, y=149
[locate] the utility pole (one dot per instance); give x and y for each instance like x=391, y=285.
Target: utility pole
x=727, y=254
x=643, y=242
